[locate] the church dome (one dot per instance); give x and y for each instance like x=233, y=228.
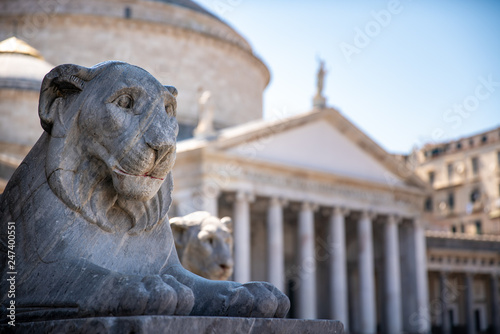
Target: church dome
x=21, y=66
x=177, y=41
x=188, y=4
x=22, y=69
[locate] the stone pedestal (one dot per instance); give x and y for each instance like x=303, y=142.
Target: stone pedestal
x=173, y=324
x=319, y=102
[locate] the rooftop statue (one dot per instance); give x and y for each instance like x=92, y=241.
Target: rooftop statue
x=206, y=110
x=320, y=78
x=89, y=208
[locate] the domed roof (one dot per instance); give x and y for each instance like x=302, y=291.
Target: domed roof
x=21, y=65
x=189, y=5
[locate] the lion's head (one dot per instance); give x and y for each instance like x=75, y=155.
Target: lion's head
x=112, y=139
x=204, y=244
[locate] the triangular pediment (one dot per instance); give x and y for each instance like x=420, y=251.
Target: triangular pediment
x=318, y=145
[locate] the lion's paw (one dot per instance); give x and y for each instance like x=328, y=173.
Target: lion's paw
x=259, y=300
x=151, y=295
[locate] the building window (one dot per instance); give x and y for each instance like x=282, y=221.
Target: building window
x=474, y=195
x=475, y=165
x=432, y=176
x=478, y=227
x=428, y=204
x=128, y=12
x=453, y=229
x=462, y=228
x=450, y=170
x=451, y=201
x=471, y=142
x=484, y=139
x=459, y=146
x=498, y=158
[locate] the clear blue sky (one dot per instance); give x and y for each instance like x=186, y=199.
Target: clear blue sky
x=406, y=72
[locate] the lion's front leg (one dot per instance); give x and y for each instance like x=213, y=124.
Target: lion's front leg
x=79, y=289
x=223, y=298
x=124, y=295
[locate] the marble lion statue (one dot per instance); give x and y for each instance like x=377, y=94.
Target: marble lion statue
x=204, y=244
x=89, y=208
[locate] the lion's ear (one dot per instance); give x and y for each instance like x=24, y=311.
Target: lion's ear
x=179, y=231
x=172, y=90
x=58, y=86
x=228, y=222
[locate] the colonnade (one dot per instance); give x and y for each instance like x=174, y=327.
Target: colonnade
x=338, y=274
x=447, y=295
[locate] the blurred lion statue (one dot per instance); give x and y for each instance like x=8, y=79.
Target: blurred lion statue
x=204, y=244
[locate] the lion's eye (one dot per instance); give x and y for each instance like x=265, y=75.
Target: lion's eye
x=124, y=101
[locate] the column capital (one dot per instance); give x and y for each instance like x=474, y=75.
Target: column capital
x=210, y=190
x=279, y=201
x=308, y=206
x=246, y=196
x=368, y=214
x=340, y=210
x=394, y=218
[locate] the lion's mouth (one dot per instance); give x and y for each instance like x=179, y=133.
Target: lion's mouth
x=122, y=172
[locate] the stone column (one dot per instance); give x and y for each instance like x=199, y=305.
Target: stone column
x=445, y=319
x=338, y=267
x=368, y=323
x=241, y=234
x=424, y=325
x=276, y=252
x=495, y=315
x=307, y=263
x=392, y=277
x=469, y=300
x=211, y=202
x=185, y=204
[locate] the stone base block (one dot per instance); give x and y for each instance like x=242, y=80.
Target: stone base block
x=181, y=325
x=319, y=102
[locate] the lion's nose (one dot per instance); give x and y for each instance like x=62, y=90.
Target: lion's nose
x=162, y=147
x=161, y=137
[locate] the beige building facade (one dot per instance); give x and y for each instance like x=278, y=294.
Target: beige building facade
x=465, y=176
x=463, y=240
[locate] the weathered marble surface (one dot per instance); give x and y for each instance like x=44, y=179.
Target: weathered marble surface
x=204, y=244
x=90, y=206
x=185, y=325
